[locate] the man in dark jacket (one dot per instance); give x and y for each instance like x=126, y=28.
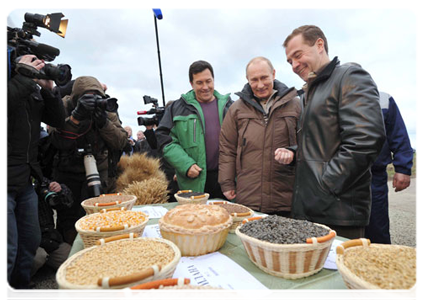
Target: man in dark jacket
x=87, y=125
x=340, y=134
x=261, y=121
x=397, y=150
x=188, y=134
x=27, y=107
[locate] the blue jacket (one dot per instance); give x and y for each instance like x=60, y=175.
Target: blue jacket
x=397, y=148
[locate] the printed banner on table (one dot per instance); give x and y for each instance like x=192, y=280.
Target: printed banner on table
x=216, y=270
x=153, y=212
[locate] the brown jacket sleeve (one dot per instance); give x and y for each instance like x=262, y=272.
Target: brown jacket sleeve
x=228, y=145
x=113, y=134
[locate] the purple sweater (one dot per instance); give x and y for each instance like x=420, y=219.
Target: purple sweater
x=212, y=131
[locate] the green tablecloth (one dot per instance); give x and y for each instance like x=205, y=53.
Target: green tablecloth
x=233, y=248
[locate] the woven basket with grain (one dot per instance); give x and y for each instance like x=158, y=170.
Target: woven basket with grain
x=119, y=264
x=363, y=265
x=289, y=261
x=237, y=217
x=107, y=201
x=200, y=199
x=90, y=235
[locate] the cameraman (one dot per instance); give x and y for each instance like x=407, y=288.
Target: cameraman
x=53, y=251
x=87, y=123
x=27, y=106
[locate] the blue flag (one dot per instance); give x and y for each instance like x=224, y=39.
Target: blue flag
x=158, y=13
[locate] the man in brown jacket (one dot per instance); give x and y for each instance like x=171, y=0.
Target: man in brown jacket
x=263, y=120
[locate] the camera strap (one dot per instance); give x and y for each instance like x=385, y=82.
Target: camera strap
x=72, y=135
x=27, y=70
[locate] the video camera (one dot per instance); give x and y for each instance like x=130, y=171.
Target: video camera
x=157, y=111
x=20, y=42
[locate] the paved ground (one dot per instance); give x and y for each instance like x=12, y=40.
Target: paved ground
x=402, y=211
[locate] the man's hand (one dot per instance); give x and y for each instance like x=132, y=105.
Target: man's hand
x=31, y=61
x=100, y=117
x=284, y=156
x=400, y=182
x=88, y=101
x=230, y=195
x=45, y=84
x=194, y=171
x=54, y=187
x=84, y=107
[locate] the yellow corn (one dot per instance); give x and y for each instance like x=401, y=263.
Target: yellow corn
x=112, y=219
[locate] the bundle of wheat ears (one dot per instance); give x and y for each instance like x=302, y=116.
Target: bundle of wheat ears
x=141, y=176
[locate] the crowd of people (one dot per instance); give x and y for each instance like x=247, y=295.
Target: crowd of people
x=306, y=154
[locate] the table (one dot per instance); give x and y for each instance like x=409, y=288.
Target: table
x=233, y=248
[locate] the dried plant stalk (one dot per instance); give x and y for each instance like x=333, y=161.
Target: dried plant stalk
x=137, y=168
x=150, y=191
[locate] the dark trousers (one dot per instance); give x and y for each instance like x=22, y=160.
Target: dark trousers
x=77, y=183
x=349, y=232
x=378, y=229
x=23, y=235
x=212, y=185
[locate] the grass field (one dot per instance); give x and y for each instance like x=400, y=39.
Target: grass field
x=391, y=171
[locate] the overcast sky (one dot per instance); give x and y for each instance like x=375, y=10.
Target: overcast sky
x=118, y=46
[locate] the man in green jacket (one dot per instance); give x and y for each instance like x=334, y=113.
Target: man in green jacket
x=188, y=134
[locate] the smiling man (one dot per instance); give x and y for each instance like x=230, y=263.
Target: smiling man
x=341, y=132
x=263, y=120
x=188, y=133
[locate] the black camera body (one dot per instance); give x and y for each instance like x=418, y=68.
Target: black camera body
x=107, y=104
x=20, y=42
x=55, y=200
x=156, y=111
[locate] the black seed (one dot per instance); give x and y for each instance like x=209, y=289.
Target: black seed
x=280, y=230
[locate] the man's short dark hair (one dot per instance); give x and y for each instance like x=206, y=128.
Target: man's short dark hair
x=310, y=33
x=198, y=67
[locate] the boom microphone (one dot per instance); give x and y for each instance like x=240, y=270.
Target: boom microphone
x=44, y=51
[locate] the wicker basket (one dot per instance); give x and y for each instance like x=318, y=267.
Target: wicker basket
x=154, y=272
x=236, y=218
x=352, y=281
x=193, y=199
x=289, y=261
x=90, y=237
x=96, y=204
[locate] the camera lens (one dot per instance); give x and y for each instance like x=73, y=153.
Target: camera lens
x=109, y=104
x=61, y=74
x=52, y=199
